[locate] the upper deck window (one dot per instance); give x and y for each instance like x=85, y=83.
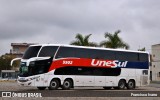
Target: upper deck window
x=31, y=52
x=127, y=56
x=143, y=57
x=65, y=52
x=48, y=51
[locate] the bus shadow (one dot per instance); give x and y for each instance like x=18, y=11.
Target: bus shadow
x=35, y=90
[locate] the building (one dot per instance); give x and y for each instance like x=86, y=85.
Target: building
x=18, y=49
x=155, y=68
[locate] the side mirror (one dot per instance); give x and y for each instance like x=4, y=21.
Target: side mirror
x=14, y=60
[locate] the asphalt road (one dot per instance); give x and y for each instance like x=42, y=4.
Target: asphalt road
x=153, y=88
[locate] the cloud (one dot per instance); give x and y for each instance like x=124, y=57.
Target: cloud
x=58, y=21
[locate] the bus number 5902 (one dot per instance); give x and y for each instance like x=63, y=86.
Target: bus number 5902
x=68, y=62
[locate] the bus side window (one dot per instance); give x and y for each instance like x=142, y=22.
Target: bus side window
x=107, y=55
x=82, y=53
x=93, y=54
x=65, y=52
x=48, y=51
x=126, y=56
x=143, y=57
x=145, y=72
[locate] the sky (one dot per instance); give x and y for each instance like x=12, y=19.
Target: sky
x=58, y=21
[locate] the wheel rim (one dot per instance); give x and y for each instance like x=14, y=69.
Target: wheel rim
x=122, y=85
x=130, y=84
x=66, y=84
x=53, y=84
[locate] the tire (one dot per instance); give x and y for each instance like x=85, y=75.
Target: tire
x=121, y=84
x=54, y=84
x=131, y=84
x=67, y=84
x=107, y=88
x=41, y=88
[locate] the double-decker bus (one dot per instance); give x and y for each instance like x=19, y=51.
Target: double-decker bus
x=56, y=66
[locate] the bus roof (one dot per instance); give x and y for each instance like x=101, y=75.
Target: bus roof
x=99, y=48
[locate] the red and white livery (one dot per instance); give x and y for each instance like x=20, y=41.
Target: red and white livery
x=56, y=66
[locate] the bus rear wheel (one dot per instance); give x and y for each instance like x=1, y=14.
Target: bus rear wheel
x=67, y=84
x=54, y=84
x=121, y=84
x=41, y=88
x=131, y=84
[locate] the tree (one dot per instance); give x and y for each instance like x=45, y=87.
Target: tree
x=113, y=41
x=5, y=62
x=83, y=41
x=142, y=49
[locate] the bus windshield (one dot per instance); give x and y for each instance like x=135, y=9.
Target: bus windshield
x=31, y=52
x=35, y=67
x=38, y=66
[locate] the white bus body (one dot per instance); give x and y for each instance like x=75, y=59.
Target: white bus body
x=66, y=66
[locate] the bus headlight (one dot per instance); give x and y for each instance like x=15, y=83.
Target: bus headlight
x=29, y=79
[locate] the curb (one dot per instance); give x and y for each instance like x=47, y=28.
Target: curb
x=157, y=82
x=8, y=80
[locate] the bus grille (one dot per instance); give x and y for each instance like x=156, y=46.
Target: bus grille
x=22, y=80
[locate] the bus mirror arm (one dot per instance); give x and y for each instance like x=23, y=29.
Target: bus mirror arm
x=14, y=60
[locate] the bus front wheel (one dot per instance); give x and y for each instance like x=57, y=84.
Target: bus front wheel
x=67, y=84
x=54, y=84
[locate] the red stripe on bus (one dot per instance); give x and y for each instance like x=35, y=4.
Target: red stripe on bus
x=83, y=62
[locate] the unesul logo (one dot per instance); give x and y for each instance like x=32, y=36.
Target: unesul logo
x=107, y=63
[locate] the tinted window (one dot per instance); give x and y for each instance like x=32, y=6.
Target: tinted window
x=88, y=71
x=126, y=56
x=107, y=71
x=106, y=54
x=85, y=71
x=82, y=53
x=73, y=71
x=145, y=72
x=41, y=66
x=31, y=52
x=66, y=71
x=94, y=54
x=48, y=51
x=64, y=52
x=143, y=57
x=35, y=67
x=87, y=53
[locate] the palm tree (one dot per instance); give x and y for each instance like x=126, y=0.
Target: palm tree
x=114, y=41
x=142, y=49
x=83, y=41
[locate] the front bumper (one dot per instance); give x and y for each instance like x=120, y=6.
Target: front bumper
x=25, y=82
